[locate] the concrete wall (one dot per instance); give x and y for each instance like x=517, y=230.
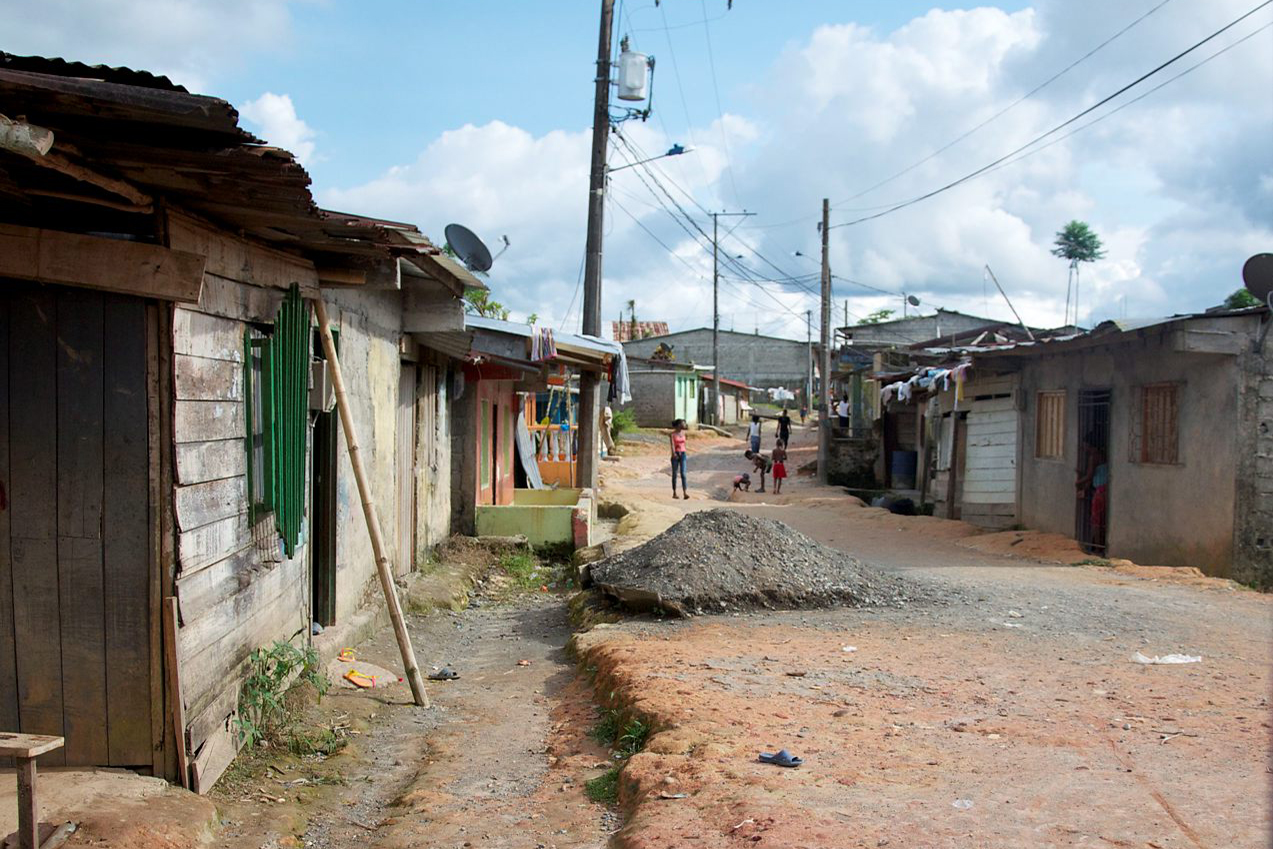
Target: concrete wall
x=370, y=328
x=1172, y=515
x=1253, y=534
x=433, y=456
x=907, y=331
x=755, y=360
x=653, y=397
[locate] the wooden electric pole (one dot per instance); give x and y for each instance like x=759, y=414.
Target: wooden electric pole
x=589, y=381
x=808, y=379
x=712, y=414
x=824, y=408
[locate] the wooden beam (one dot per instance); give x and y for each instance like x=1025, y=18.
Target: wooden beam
x=172, y=674
x=341, y=277
x=57, y=162
x=131, y=268
x=429, y=308
x=367, y=274
x=239, y=259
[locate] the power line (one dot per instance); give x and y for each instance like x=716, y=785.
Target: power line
x=985, y=168
x=1089, y=54
x=1136, y=99
x=724, y=137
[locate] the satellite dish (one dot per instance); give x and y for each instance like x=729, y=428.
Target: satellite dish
x=1257, y=274
x=912, y=300
x=468, y=247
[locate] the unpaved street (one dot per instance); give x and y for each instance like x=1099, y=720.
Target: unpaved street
x=1007, y=713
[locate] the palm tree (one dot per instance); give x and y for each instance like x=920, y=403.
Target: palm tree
x=1076, y=242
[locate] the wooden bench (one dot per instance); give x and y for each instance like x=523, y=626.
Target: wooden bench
x=24, y=749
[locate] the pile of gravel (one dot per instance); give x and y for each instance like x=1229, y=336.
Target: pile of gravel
x=718, y=561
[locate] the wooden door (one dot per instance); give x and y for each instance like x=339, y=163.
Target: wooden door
x=76, y=575
x=405, y=470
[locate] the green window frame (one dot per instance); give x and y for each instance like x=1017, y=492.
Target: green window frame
x=276, y=389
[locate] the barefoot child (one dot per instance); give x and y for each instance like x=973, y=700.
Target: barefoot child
x=677, y=440
x=779, y=457
x=742, y=482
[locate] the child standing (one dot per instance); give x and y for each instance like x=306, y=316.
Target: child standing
x=753, y=433
x=677, y=440
x=779, y=457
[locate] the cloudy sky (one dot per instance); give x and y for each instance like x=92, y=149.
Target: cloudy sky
x=480, y=113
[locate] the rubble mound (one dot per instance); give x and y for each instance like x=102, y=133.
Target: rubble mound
x=719, y=560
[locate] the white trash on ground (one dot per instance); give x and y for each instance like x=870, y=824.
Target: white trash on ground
x=1168, y=658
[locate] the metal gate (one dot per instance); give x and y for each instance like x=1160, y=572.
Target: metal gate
x=1091, y=514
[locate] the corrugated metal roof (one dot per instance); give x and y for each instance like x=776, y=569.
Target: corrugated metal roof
x=167, y=144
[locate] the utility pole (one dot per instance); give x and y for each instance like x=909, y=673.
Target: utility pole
x=716, y=311
x=808, y=380
x=589, y=381
x=824, y=408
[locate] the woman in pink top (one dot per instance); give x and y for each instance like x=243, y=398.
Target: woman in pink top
x=677, y=440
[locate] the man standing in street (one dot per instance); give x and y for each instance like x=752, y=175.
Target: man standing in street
x=842, y=411
x=784, y=427
x=753, y=433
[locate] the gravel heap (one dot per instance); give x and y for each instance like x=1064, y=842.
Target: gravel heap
x=717, y=561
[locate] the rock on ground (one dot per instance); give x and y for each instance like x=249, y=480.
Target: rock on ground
x=722, y=561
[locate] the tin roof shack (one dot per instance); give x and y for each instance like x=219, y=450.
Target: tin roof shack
x=1168, y=423
x=662, y=391
x=503, y=362
x=733, y=405
x=167, y=511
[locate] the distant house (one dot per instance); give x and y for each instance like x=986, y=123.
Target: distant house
x=624, y=331
x=734, y=399
x=1147, y=440
x=760, y=361
x=904, y=332
x=662, y=392
x=1178, y=413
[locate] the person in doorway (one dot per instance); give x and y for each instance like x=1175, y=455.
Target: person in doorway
x=842, y=411
x=607, y=430
x=779, y=457
x=1094, y=482
x=804, y=413
x=784, y=427
x=677, y=441
x=753, y=433
x=759, y=464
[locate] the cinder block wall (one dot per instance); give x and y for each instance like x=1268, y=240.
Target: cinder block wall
x=755, y=360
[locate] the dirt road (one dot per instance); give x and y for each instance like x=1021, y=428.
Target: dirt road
x=1007, y=714
x=1012, y=714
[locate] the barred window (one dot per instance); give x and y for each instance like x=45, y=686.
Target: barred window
x=1159, y=424
x=1049, y=425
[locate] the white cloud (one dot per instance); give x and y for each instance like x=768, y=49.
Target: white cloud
x=192, y=41
x=275, y=116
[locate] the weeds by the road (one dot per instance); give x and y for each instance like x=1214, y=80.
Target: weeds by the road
x=604, y=789
x=534, y=571
x=264, y=709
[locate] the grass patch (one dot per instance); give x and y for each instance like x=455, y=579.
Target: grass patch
x=523, y=568
x=266, y=714
x=604, y=789
x=325, y=741
x=633, y=738
x=1093, y=561
x=606, y=731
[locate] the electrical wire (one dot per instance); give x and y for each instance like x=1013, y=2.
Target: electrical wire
x=985, y=168
x=1089, y=54
x=724, y=137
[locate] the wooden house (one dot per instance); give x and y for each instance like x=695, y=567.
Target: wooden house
x=176, y=492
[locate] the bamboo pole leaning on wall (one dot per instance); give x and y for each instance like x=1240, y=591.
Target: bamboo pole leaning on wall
x=369, y=511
